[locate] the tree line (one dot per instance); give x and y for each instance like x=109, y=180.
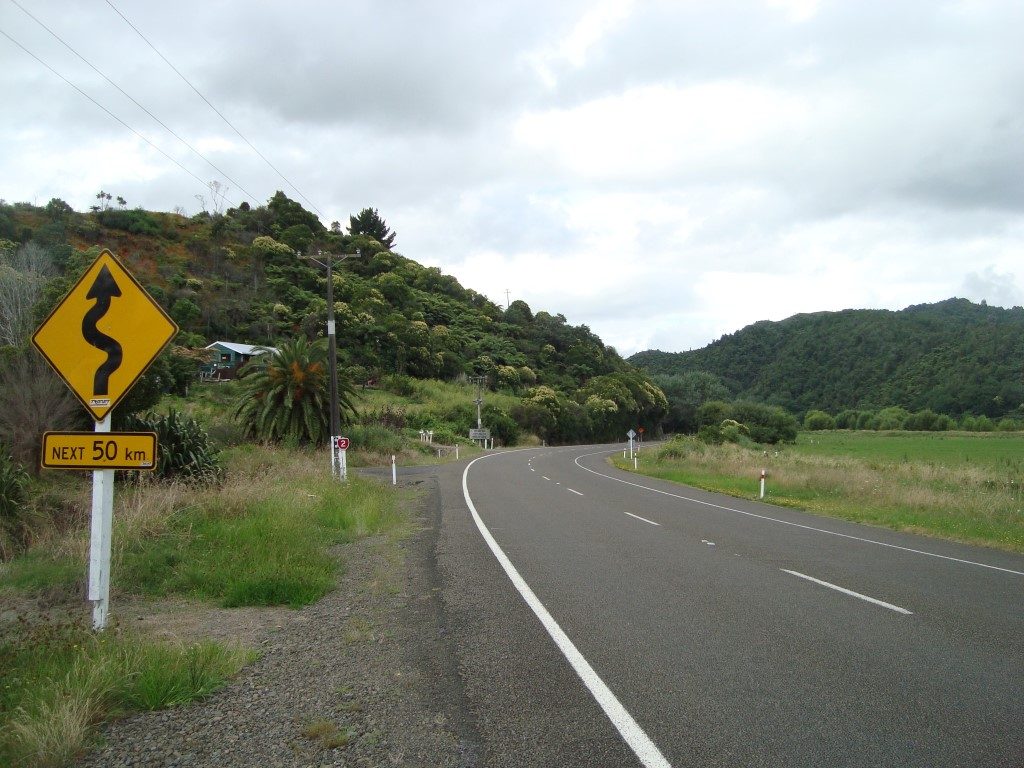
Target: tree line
x=245, y=275
x=954, y=358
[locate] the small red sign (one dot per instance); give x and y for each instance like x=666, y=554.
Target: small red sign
x=640, y=430
x=342, y=443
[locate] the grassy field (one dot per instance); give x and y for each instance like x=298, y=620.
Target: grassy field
x=994, y=450
x=959, y=486
x=259, y=538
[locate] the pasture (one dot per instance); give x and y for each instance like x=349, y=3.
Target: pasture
x=960, y=486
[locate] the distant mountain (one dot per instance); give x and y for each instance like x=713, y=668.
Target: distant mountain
x=953, y=357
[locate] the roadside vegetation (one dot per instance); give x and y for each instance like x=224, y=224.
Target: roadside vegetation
x=964, y=487
x=257, y=532
x=241, y=509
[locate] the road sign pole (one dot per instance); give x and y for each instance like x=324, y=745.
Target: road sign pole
x=99, y=543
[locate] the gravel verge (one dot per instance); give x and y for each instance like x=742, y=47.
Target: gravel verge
x=366, y=676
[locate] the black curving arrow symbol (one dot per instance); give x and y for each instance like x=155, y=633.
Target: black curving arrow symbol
x=103, y=290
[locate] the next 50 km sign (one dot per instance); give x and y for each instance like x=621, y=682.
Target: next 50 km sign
x=99, y=450
x=103, y=335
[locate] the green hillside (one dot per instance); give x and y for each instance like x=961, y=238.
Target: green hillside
x=240, y=276
x=953, y=357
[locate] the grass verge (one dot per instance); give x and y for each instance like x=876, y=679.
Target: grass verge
x=979, y=503
x=260, y=538
x=58, y=680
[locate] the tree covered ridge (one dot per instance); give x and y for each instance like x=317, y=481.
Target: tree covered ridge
x=241, y=276
x=953, y=357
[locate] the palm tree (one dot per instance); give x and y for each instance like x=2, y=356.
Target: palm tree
x=285, y=394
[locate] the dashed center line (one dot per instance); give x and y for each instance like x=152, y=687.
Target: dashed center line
x=570, y=490
x=850, y=592
x=546, y=477
x=641, y=518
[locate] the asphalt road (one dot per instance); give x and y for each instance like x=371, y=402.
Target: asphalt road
x=704, y=632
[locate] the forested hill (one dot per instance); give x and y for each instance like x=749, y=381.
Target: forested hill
x=241, y=275
x=954, y=357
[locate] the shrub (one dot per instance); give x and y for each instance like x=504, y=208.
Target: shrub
x=817, y=420
x=712, y=413
x=386, y=416
x=734, y=432
x=867, y=420
x=847, y=419
x=1008, y=425
x=503, y=427
x=891, y=418
x=679, y=447
x=927, y=421
x=403, y=386
x=767, y=423
x=711, y=434
x=185, y=451
x=375, y=438
x=13, y=480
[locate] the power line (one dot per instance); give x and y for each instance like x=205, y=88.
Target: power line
x=136, y=103
x=90, y=98
x=210, y=105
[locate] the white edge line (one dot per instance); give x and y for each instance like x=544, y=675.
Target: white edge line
x=546, y=477
x=628, y=728
x=570, y=490
x=787, y=522
x=641, y=518
x=850, y=592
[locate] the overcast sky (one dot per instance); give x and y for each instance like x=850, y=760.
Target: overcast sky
x=664, y=172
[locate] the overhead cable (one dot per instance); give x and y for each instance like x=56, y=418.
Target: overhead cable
x=90, y=98
x=136, y=103
x=210, y=105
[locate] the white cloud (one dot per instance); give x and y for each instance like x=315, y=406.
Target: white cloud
x=661, y=171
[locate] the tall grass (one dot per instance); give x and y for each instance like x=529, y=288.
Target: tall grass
x=979, y=503
x=258, y=539
x=58, y=680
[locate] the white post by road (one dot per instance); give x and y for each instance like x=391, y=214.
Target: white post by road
x=99, y=541
x=394, y=471
x=762, y=483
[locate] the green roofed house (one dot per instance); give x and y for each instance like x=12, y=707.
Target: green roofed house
x=226, y=357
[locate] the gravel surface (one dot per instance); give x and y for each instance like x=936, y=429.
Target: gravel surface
x=363, y=677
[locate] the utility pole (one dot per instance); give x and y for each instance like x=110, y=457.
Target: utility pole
x=332, y=346
x=479, y=381
x=507, y=295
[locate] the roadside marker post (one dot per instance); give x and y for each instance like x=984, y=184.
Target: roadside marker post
x=339, y=457
x=100, y=339
x=763, y=473
x=394, y=471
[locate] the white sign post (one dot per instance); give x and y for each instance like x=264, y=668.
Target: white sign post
x=339, y=456
x=99, y=540
x=631, y=434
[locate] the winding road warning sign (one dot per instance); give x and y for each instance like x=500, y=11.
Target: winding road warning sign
x=104, y=334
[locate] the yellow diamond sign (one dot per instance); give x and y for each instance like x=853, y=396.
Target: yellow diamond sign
x=104, y=334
